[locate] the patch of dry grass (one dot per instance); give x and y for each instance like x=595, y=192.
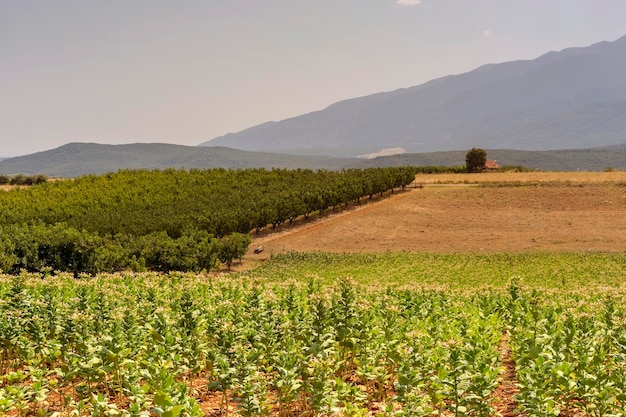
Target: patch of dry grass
x=9, y=187
x=615, y=177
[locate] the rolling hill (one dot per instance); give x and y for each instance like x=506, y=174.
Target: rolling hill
x=591, y=159
x=572, y=99
x=77, y=159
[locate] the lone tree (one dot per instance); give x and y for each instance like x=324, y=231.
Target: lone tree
x=475, y=160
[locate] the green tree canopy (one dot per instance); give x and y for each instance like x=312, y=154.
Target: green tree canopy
x=475, y=160
x=232, y=247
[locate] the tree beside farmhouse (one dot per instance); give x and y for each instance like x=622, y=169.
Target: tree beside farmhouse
x=475, y=160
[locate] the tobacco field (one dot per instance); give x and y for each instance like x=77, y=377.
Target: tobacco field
x=182, y=344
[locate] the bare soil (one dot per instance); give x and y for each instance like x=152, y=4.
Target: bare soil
x=505, y=403
x=460, y=218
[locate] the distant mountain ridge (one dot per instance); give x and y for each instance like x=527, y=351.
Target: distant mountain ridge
x=589, y=159
x=76, y=159
x=572, y=99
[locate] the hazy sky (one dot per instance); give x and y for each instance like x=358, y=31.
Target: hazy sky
x=185, y=71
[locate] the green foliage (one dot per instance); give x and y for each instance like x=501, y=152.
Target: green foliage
x=38, y=247
x=7, y=255
x=44, y=248
x=515, y=168
x=336, y=350
x=475, y=160
x=140, y=344
x=431, y=169
x=21, y=179
x=193, y=251
x=218, y=201
x=232, y=247
x=551, y=271
x=569, y=356
x=298, y=346
x=167, y=220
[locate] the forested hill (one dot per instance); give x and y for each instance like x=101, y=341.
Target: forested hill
x=76, y=159
x=593, y=159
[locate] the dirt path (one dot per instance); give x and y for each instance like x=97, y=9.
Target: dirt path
x=505, y=402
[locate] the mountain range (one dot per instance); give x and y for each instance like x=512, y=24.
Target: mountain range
x=562, y=111
x=575, y=98
x=76, y=159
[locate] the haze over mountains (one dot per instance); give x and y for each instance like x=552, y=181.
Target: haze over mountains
x=562, y=111
x=76, y=159
x=575, y=98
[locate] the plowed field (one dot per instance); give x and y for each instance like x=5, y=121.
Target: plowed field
x=552, y=213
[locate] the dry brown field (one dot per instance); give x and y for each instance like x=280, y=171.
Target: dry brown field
x=480, y=213
x=7, y=187
x=614, y=177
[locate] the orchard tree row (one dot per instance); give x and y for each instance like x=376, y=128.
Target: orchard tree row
x=51, y=248
x=167, y=219
x=21, y=179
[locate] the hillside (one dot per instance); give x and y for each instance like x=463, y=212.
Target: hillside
x=77, y=159
x=575, y=98
x=593, y=159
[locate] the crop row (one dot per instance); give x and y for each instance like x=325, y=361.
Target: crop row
x=570, y=359
x=217, y=201
x=183, y=345
x=129, y=345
